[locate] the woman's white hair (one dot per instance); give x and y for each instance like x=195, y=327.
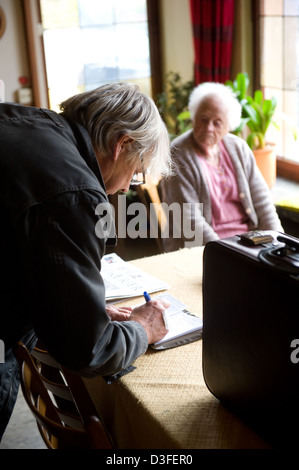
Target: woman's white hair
x=225, y=94
x=121, y=109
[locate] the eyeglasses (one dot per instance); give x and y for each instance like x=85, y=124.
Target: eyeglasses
x=138, y=178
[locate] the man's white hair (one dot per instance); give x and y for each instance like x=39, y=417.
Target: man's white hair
x=225, y=94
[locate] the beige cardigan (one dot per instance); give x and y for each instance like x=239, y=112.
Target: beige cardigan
x=189, y=185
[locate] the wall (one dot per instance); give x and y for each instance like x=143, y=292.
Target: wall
x=13, y=51
x=177, y=42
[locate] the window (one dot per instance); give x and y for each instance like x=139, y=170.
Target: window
x=279, y=69
x=91, y=42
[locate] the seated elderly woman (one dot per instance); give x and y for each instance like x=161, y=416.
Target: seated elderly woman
x=217, y=188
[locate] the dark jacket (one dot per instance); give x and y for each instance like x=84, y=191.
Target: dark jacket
x=51, y=185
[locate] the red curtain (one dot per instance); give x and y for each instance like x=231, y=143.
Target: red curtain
x=213, y=23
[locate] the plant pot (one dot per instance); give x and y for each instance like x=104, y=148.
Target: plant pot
x=266, y=162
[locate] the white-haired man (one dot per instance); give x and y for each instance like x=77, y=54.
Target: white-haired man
x=56, y=168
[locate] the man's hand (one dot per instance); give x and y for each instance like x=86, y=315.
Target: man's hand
x=118, y=313
x=150, y=316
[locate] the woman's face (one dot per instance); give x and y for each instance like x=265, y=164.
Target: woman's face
x=210, y=122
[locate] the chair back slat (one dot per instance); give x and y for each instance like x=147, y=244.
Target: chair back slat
x=50, y=392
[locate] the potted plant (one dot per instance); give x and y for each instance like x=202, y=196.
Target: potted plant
x=172, y=104
x=257, y=115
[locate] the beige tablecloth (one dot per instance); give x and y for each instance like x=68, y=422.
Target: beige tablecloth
x=164, y=403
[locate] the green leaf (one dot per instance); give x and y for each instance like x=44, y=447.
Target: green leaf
x=241, y=126
x=229, y=83
x=258, y=96
x=256, y=140
x=183, y=116
x=242, y=82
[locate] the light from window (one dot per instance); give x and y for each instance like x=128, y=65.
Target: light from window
x=92, y=42
x=280, y=70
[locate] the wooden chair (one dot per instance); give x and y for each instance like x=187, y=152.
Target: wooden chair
x=149, y=195
x=65, y=415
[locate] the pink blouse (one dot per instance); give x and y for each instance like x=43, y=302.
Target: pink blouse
x=228, y=215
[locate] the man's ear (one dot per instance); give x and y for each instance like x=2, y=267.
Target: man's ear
x=120, y=144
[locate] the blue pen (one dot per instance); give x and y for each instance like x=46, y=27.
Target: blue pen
x=146, y=296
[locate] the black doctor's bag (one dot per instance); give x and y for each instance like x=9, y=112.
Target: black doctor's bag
x=251, y=326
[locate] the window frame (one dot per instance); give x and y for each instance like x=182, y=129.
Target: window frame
x=285, y=168
x=36, y=53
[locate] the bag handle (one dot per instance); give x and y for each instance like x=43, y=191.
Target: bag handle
x=283, y=258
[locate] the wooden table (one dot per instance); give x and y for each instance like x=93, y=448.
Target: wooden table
x=164, y=403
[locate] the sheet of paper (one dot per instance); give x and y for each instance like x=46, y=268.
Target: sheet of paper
x=179, y=319
x=122, y=280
